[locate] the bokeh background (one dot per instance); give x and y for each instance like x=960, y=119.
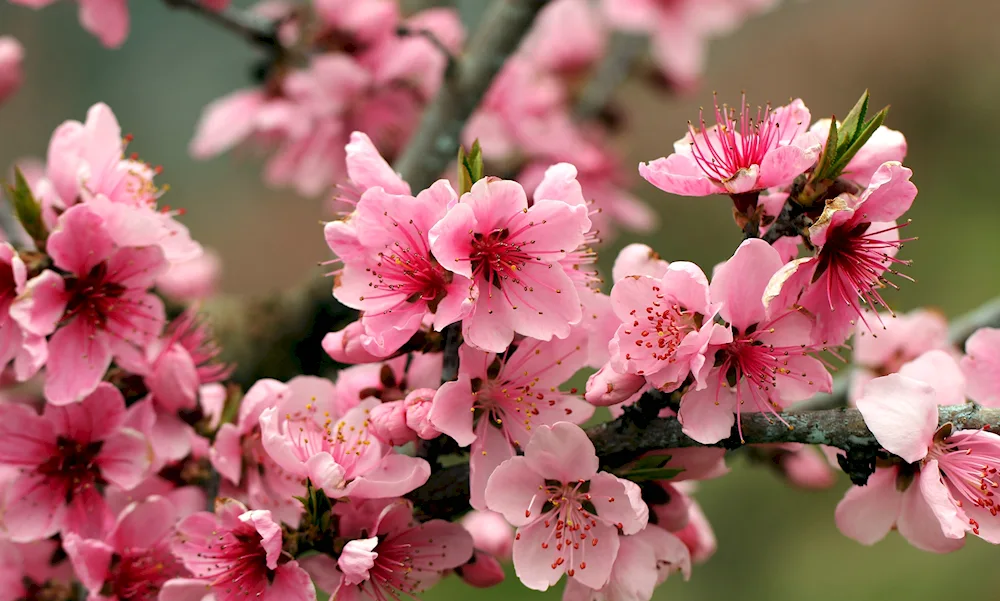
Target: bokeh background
x=936, y=63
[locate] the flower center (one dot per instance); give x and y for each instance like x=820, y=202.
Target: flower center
x=74, y=464
x=496, y=257
x=735, y=142
x=105, y=305
x=139, y=575
x=569, y=516
x=969, y=460
x=661, y=328
x=405, y=267
x=235, y=562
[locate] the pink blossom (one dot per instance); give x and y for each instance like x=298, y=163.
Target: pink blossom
x=237, y=554
x=66, y=455
x=101, y=305
x=763, y=360
x=942, y=488
x=498, y=402
x=665, y=325
x=387, y=381
x=29, y=567
x=192, y=280
x=344, y=345
x=858, y=238
x=638, y=259
x=108, y=20
x=904, y=338
x=645, y=560
x=11, y=76
x=511, y=254
x=134, y=560
x=698, y=535
x=247, y=470
x=399, y=555
x=981, y=366
x=27, y=350
x=742, y=153
x=567, y=37
x=395, y=281
x=606, y=387
x=490, y=533
x=307, y=437
x=802, y=465
x=567, y=515
x=884, y=146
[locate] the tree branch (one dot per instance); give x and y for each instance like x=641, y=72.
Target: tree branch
x=623, y=51
x=244, y=24
x=621, y=441
x=436, y=141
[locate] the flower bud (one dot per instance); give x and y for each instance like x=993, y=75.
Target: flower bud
x=490, y=532
x=344, y=346
x=607, y=387
x=482, y=571
x=11, y=55
x=388, y=422
x=418, y=407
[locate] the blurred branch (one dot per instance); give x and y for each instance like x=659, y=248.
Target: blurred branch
x=623, y=51
x=621, y=441
x=243, y=23
x=986, y=315
x=436, y=140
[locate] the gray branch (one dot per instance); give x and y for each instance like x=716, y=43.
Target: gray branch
x=623, y=51
x=436, y=141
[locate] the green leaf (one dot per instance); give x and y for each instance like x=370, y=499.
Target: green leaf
x=27, y=209
x=464, y=179
x=869, y=128
x=829, y=153
x=470, y=167
x=644, y=475
x=649, y=461
x=854, y=122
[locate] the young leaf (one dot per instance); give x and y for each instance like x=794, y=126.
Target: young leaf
x=854, y=122
x=644, y=475
x=464, y=179
x=863, y=136
x=27, y=209
x=470, y=167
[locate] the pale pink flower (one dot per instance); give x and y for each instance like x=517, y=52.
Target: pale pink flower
x=498, y=402
x=236, y=554
x=884, y=146
x=981, y=365
x=86, y=164
x=11, y=76
x=567, y=37
x=307, y=437
x=904, y=338
x=665, y=325
x=857, y=238
x=27, y=350
x=344, y=345
x=645, y=560
x=108, y=20
x=66, y=455
x=567, y=515
x=134, y=560
x=399, y=555
x=101, y=305
x=192, y=280
x=669, y=500
x=943, y=488
x=248, y=471
x=762, y=362
x=490, y=533
x=511, y=253
x=394, y=280
x=742, y=153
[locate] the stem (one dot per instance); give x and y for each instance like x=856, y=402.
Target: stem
x=435, y=142
x=624, y=50
x=244, y=24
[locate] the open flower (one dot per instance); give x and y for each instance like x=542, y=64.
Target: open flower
x=392, y=554
x=498, y=402
x=858, y=238
x=944, y=487
x=743, y=152
x=511, y=252
x=568, y=515
x=66, y=455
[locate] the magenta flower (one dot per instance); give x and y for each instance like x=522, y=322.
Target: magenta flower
x=858, y=238
x=101, y=304
x=761, y=360
x=397, y=556
x=567, y=515
x=305, y=435
x=134, y=561
x=742, y=153
x=944, y=488
x=981, y=366
x=511, y=253
x=394, y=280
x=11, y=55
x=236, y=554
x=498, y=402
x=66, y=455
x=665, y=325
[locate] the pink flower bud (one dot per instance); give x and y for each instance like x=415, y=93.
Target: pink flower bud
x=418, y=407
x=607, y=387
x=482, y=571
x=11, y=55
x=490, y=533
x=638, y=259
x=388, y=422
x=357, y=559
x=344, y=346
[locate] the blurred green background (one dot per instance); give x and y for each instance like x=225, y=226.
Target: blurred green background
x=935, y=63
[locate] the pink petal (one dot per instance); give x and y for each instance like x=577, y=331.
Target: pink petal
x=952, y=519
x=981, y=366
x=490, y=325
x=451, y=410
x=91, y=559
x=918, y=521
x=79, y=242
x=562, y=452
x=367, y=168
x=901, y=413
x=490, y=449
x=357, y=559
x=534, y=563
x=513, y=490
x=395, y=476
x=174, y=379
x=325, y=473
x=884, y=146
x=783, y=164
x=40, y=307
x=638, y=259
x=291, y=583
x=941, y=371
x=186, y=589
x=98, y=416
x=144, y=524
x=125, y=458
x=450, y=240
x=225, y=122
x=559, y=183
x=269, y=532
x=35, y=508
x=889, y=194
x=226, y=454
x=26, y=438
x=619, y=502
x=106, y=19
x=678, y=174
x=867, y=513
x=739, y=283
x=708, y=415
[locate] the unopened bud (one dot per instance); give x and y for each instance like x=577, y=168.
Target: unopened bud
x=607, y=387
